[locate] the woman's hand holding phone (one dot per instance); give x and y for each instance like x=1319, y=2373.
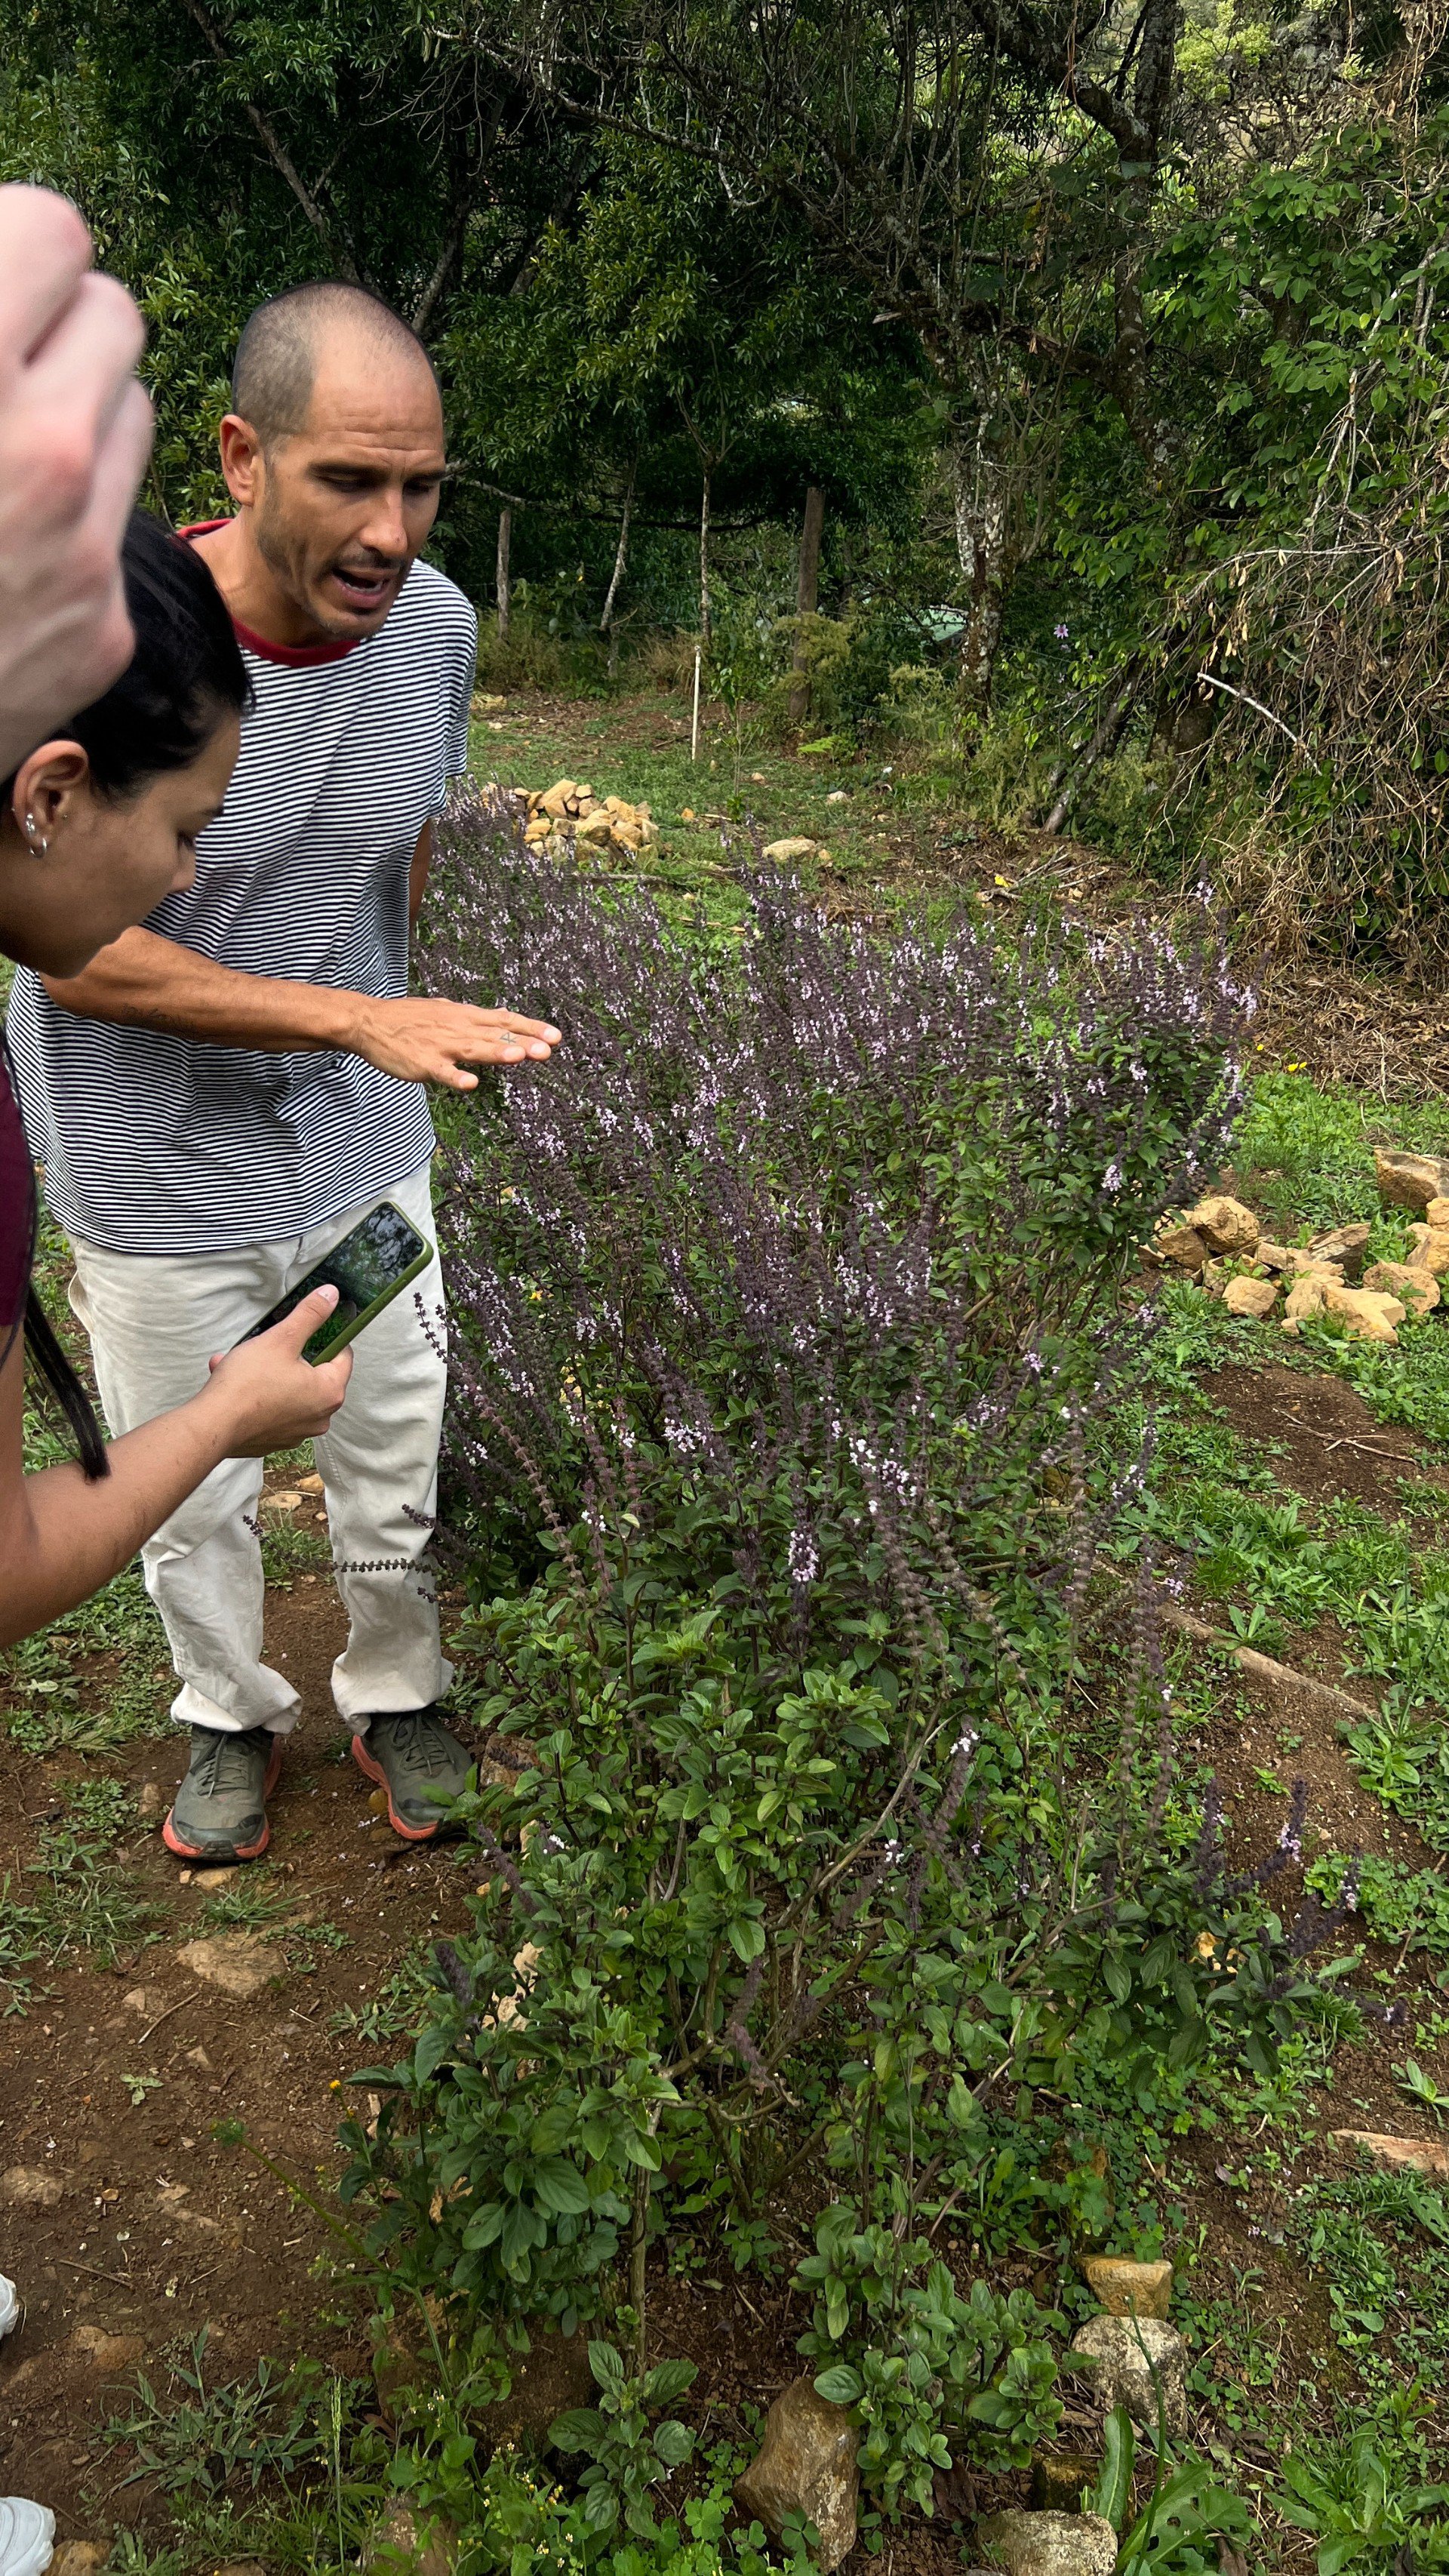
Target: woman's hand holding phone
x=278, y=1397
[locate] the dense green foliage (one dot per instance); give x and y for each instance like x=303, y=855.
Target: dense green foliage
x=1114, y=341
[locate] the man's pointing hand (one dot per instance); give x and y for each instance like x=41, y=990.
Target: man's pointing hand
x=423, y=1041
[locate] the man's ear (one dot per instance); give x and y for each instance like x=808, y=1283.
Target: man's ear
x=242, y=460
x=45, y=789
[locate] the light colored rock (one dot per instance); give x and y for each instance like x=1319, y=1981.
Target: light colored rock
x=289, y=1500
x=1430, y=1248
x=109, y=2353
x=402, y=2546
x=1409, y=1180
x=595, y=827
x=242, y=2567
x=782, y=852
x=1251, y=1296
x=1128, y=2289
x=1225, y=1225
x=556, y=800
x=153, y=1800
x=1437, y=1213
x=310, y=1485
x=1050, y=2544
x=28, y=2187
x=1345, y=1245
x=1304, y=1300
x=80, y=2557
x=236, y=1961
x=1274, y=1256
x=1364, y=1317
x=1131, y=2359
x=198, y=2057
x=1183, y=1246
x=806, y=2465
x=1415, y=1288
x=1397, y=2155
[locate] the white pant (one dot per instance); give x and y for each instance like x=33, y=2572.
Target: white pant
x=154, y=1322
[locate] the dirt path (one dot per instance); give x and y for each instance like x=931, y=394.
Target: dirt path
x=125, y=2225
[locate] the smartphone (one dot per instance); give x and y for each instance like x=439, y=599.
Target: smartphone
x=368, y=1268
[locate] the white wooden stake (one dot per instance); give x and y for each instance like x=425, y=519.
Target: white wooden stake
x=694, y=728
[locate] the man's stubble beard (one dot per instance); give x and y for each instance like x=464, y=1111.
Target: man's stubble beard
x=286, y=561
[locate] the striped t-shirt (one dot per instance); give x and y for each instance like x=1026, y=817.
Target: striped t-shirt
x=164, y=1144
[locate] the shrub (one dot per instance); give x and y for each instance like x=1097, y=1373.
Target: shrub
x=787, y=1372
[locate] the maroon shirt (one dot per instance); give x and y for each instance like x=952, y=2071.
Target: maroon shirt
x=17, y=1212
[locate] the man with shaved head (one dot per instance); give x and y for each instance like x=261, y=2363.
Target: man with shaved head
x=227, y=1091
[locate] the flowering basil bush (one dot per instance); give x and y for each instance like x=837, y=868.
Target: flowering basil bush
x=788, y=1370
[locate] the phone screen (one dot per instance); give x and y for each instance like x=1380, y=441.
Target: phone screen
x=367, y=1268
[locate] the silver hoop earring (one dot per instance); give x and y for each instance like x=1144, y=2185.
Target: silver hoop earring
x=39, y=841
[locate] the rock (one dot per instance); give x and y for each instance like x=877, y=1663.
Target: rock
x=289, y=1500
x=82, y=2558
x=1305, y=1299
x=1057, y=2481
x=782, y=852
x=198, y=2057
x=556, y=800
x=109, y=2352
x=402, y=2546
x=1183, y=1246
x=1275, y=1256
x=1050, y=2544
x=597, y=826
x=151, y=1803
x=236, y=1961
x=1128, y=2289
x=27, y=2187
x=1128, y=2358
x=1430, y=1248
x=1343, y=1244
x=1415, y=1288
x=1409, y=1180
x=1306, y=1265
x=805, y=2465
x=1399, y=2155
x=1225, y=1225
x=1437, y=1214
x=310, y=1485
x=242, y=2567
x=1365, y=1318
x=1251, y=1296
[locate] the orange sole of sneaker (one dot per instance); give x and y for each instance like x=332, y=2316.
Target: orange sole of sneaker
x=241, y=1851
x=375, y=1771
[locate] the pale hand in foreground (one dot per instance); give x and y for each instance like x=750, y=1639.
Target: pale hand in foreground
x=75, y=433
x=426, y=1041
x=278, y=1398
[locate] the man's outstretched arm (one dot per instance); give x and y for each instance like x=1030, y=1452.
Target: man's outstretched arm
x=145, y=982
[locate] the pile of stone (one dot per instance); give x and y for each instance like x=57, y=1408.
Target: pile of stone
x=569, y=811
x=1220, y=1244
x=1128, y=2356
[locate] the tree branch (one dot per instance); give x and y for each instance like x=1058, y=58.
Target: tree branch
x=262, y=126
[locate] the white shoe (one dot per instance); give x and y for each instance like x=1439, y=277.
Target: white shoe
x=27, y=2536
x=9, y=2306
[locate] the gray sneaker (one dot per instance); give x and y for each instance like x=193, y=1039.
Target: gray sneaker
x=221, y=1805
x=412, y=1756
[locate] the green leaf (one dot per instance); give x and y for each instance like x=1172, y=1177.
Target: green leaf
x=841, y=2385
x=579, y=2428
x=674, y=2443
x=561, y=2188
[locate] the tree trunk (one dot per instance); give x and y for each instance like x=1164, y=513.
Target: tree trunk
x=1105, y=736
x=704, y=602
x=981, y=548
x=505, y=585
x=621, y=556
x=807, y=593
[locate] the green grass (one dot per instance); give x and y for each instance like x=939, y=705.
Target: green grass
x=73, y=1897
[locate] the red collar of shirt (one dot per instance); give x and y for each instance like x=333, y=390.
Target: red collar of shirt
x=297, y=657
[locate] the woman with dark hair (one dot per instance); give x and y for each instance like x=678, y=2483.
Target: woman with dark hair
x=96, y=826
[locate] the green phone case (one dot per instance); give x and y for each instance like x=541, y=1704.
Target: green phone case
x=332, y=1337
x=319, y=1348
